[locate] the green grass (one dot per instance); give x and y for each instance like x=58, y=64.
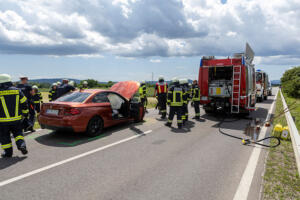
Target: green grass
x=295, y=109
x=281, y=178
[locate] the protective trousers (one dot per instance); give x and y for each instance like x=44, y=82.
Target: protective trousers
x=185, y=112
x=178, y=111
x=197, y=109
x=5, y=139
x=162, y=104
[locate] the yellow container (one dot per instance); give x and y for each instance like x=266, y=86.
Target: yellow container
x=278, y=130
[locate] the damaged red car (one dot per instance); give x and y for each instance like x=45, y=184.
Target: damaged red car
x=92, y=110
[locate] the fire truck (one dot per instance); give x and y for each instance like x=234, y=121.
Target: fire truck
x=262, y=85
x=228, y=85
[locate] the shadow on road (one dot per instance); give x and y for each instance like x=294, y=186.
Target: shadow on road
x=71, y=139
x=7, y=162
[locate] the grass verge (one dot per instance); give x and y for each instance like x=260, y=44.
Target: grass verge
x=295, y=109
x=281, y=178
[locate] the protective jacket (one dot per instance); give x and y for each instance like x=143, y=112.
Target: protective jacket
x=13, y=105
x=195, y=93
x=52, y=95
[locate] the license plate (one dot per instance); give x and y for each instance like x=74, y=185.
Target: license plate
x=52, y=112
x=218, y=91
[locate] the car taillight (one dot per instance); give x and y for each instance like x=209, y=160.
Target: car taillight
x=72, y=111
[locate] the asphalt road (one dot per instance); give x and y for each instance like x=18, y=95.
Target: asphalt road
x=195, y=163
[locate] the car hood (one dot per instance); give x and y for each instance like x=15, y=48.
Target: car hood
x=126, y=88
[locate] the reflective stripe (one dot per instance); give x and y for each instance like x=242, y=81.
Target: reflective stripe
x=183, y=117
x=11, y=119
x=20, y=137
x=4, y=107
x=170, y=121
x=197, y=114
x=179, y=121
x=25, y=111
x=9, y=92
x=23, y=99
x=36, y=102
x=163, y=111
x=17, y=106
x=6, y=146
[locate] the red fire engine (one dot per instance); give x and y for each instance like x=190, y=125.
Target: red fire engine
x=228, y=85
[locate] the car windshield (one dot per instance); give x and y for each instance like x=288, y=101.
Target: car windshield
x=74, y=97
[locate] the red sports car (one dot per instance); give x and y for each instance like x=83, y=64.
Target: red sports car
x=91, y=110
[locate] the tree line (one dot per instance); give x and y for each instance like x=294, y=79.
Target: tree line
x=290, y=82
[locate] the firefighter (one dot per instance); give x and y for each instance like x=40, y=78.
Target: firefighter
x=13, y=104
x=27, y=91
x=53, y=92
x=196, y=99
x=85, y=85
x=58, y=83
x=185, y=111
x=143, y=95
x=37, y=98
x=64, y=88
x=161, y=91
x=176, y=99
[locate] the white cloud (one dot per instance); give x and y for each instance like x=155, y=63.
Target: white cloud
x=135, y=28
x=155, y=60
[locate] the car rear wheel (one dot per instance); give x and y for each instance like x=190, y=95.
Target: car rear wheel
x=95, y=127
x=140, y=114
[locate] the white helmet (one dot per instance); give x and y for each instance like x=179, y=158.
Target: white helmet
x=35, y=87
x=175, y=80
x=183, y=81
x=161, y=78
x=85, y=83
x=54, y=84
x=143, y=82
x=5, y=78
x=58, y=83
x=72, y=83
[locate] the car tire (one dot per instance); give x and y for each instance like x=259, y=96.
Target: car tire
x=95, y=126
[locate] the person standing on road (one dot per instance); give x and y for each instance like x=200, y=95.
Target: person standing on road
x=64, y=88
x=27, y=91
x=196, y=99
x=176, y=99
x=13, y=104
x=161, y=90
x=53, y=92
x=37, y=98
x=185, y=112
x=143, y=95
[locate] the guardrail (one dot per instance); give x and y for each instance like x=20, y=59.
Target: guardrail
x=293, y=132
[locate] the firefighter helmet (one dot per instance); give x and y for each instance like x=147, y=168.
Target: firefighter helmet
x=143, y=82
x=58, y=83
x=72, y=83
x=175, y=80
x=54, y=84
x=35, y=87
x=161, y=78
x=85, y=83
x=5, y=78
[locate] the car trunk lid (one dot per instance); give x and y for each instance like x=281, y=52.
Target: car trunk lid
x=56, y=109
x=126, y=88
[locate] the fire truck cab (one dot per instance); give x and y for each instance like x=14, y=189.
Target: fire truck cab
x=228, y=85
x=262, y=85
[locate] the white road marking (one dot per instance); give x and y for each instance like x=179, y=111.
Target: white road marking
x=3, y=183
x=245, y=183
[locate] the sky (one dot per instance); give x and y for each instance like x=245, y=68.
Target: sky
x=133, y=39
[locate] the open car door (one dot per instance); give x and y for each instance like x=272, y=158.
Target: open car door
x=126, y=88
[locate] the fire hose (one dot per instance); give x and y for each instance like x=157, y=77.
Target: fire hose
x=248, y=141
